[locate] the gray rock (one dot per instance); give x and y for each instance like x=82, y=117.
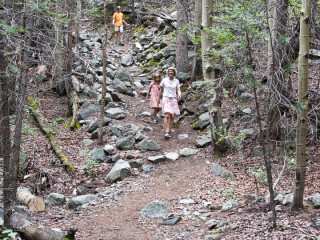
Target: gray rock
x=279, y=198
x=278, y=208
x=80, y=200
x=155, y=209
x=122, y=75
x=172, y=156
x=119, y=171
x=147, y=168
x=212, y=223
x=147, y=144
x=98, y=154
x=75, y=84
x=203, y=141
x=216, y=236
x=258, y=151
x=127, y=60
x=88, y=111
x=111, y=105
x=21, y=209
x=125, y=143
x=216, y=169
x=95, y=124
x=171, y=221
x=247, y=111
x=241, y=88
x=247, y=132
x=87, y=142
x=109, y=149
x=157, y=159
x=183, y=136
x=138, y=84
x=204, y=120
x=137, y=47
x=227, y=175
x=229, y=204
x=316, y=200
x=145, y=40
x=287, y=199
x=225, y=123
x=187, y=201
x=120, y=86
x=136, y=163
x=185, y=235
x=183, y=77
x=116, y=113
x=248, y=198
x=95, y=133
x=186, y=152
x=55, y=199
x=246, y=97
x=130, y=156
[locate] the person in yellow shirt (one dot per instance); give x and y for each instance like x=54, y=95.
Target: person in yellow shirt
x=117, y=22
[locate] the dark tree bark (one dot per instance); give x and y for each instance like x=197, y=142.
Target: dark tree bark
x=182, y=61
x=196, y=66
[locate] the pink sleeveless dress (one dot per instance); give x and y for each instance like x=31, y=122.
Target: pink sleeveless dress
x=155, y=88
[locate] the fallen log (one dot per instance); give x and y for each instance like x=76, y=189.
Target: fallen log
x=160, y=15
x=34, y=203
x=33, y=230
x=35, y=111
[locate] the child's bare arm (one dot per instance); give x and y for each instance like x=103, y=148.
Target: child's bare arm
x=148, y=93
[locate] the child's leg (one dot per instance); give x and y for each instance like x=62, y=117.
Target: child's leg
x=155, y=111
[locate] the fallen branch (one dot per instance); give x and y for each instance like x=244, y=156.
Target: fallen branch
x=33, y=106
x=34, y=203
x=160, y=15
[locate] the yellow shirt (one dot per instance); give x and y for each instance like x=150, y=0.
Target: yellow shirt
x=118, y=19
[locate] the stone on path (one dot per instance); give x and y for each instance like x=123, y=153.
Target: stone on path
x=186, y=152
x=216, y=236
x=183, y=136
x=125, y=143
x=80, y=200
x=155, y=209
x=119, y=171
x=116, y=113
x=55, y=199
x=147, y=168
x=171, y=221
x=109, y=149
x=157, y=159
x=147, y=144
x=203, y=141
x=172, y=156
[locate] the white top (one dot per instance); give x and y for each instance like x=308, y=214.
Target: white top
x=170, y=87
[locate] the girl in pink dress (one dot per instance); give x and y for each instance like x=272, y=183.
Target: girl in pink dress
x=154, y=89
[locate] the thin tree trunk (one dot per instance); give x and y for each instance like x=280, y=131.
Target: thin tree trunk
x=182, y=60
x=213, y=93
x=103, y=97
x=196, y=68
x=303, y=101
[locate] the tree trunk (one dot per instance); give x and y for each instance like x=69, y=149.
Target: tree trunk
x=277, y=59
x=213, y=97
x=68, y=82
x=8, y=194
x=196, y=68
x=58, y=81
x=182, y=60
x=34, y=203
x=303, y=101
x=103, y=97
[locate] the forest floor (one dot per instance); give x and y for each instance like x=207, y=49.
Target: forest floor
x=170, y=182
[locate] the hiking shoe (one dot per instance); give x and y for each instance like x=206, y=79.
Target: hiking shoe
x=117, y=43
x=167, y=136
x=121, y=43
x=154, y=121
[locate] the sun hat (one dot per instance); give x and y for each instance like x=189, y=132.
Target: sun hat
x=118, y=7
x=172, y=68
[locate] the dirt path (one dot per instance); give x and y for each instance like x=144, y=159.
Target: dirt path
x=116, y=215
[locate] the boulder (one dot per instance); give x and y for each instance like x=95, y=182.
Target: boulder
x=122, y=75
x=109, y=149
x=147, y=144
x=155, y=209
x=80, y=200
x=55, y=199
x=125, y=143
x=119, y=171
x=116, y=113
x=186, y=152
x=88, y=111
